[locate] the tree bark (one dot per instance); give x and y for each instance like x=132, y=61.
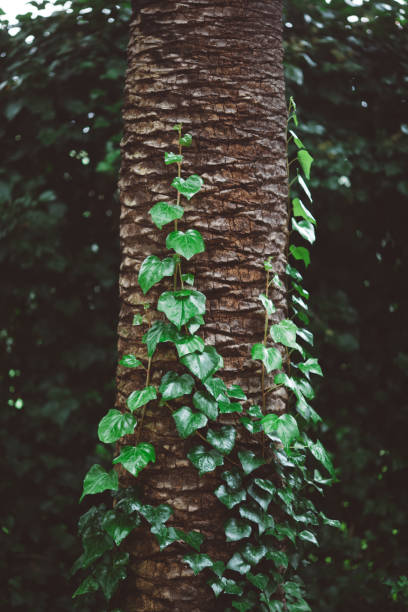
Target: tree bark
x=216, y=67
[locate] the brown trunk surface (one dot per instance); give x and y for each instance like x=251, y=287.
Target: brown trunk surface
x=216, y=67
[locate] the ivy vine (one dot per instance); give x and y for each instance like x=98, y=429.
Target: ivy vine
x=271, y=518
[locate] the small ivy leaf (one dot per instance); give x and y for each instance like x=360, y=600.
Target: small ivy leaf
x=227, y=407
x=300, y=253
x=187, y=243
x=186, y=140
x=310, y=366
x=177, y=127
x=236, y=530
x=188, y=278
x=305, y=160
x=330, y=522
x=194, y=324
x=279, y=558
x=130, y=361
x=305, y=229
x=98, y=480
x=180, y=306
x=277, y=282
x=110, y=570
x=160, y=331
x=218, y=568
x=296, y=140
x=173, y=385
x=255, y=411
x=172, y=158
x=118, y=525
x=153, y=270
x=253, y=554
x=137, y=399
x=204, y=460
x=228, y=497
x=114, y=425
x=267, y=303
x=300, y=210
x=222, y=440
x=304, y=187
x=297, y=301
x=266, y=485
x=189, y=344
x=254, y=513
x=285, y=531
x=250, y=461
x=262, y=497
x=270, y=357
x=158, y=515
x=284, y=333
x=252, y=426
x=225, y=584
x=188, y=187
x=163, y=213
x=217, y=388
x=268, y=264
x=243, y=605
x=308, y=536
x=233, y=478
x=236, y=392
x=260, y=581
x=295, y=274
x=187, y=421
x=203, y=365
x=198, y=562
x=88, y=585
x=192, y=538
x=238, y=564
x=137, y=319
x=306, y=411
x=204, y=403
x=95, y=540
x=319, y=452
x=165, y=535
x=285, y=427
x=135, y=458
x=303, y=292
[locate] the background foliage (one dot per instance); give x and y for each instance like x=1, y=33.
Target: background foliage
x=60, y=107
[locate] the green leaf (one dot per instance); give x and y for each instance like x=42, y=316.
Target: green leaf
x=137, y=319
x=217, y=388
x=300, y=253
x=254, y=513
x=255, y=411
x=237, y=392
x=285, y=531
x=110, y=570
x=114, y=425
x=130, y=361
x=284, y=333
x=173, y=385
x=165, y=535
x=222, y=440
x=137, y=399
x=243, y=605
x=270, y=357
x=192, y=538
x=233, y=478
x=279, y=558
x=238, y=564
x=188, y=187
x=228, y=497
x=305, y=160
x=158, y=515
x=277, y=282
x=160, y=331
x=206, y=405
x=118, y=525
x=296, y=140
x=87, y=586
x=319, y=452
x=186, y=140
x=304, y=187
x=305, y=229
x=189, y=344
x=172, y=158
x=153, y=270
x=267, y=303
x=295, y=274
x=266, y=485
x=194, y=324
x=260, y=581
x=187, y=243
x=300, y=210
x=135, y=458
x=180, y=306
x=95, y=540
x=253, y=554
x=203, y=365
x=310, y=366
x=306, y=411
x=177, y=127
x=250, y=461
x=228, y=407
x=306, y=335
x=163, y=213
x=330, y=522
x=187, y=421
x=262, y=497
x=205, y=460
x=98, y=480
x=308, y=536
x=225, y=584
x=285, y=427
x=198, y=562
x=236, y=530
x=188, y=278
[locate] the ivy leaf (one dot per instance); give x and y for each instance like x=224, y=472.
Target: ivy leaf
x=285, y=531
x=137, y=399
x=279, y=558
x=305, y=160
x=236, y=530
x=118, y=525
x=300, y=253
x=285, y=427
x=192, y=538
x=189, y=344
x=236, y=392
x=204, y=460
x=198, y=562
x=135, y=458
x=186, y=140
x=267, y=303
x=114, y=425
x=306, y=411
x=296, y=140
x=270, y=357
x=238, y=564
x=284, y=333
x=165, y=535
x=187, y=243
x=206, y=405
x=250, y=461
x=98, y=480
x=266, y=485
x=303, y=292
x=217, y=388
x=300, y=210
x=308, y=536
x=262, y=497
x=233, y=478
x=172, y=158
x=305, y=229
x=222, y=440
x=110, y=570
x=243, y=605
x=173, y=385
x=187, y=421
x=331, y=522
x=225, y=584
x=195, y=323
x=158, y=515
x=253, y=554
x=295, y=274
x=255, y=411
x=180, y=306
x=130, y=361
x=153, y=270
x=188, y=278
x=95, y=540
x=254, y=513
x=205, y=364
x=188, y=187
x=163, y=213
x=137, y=319
x=260, y=581
x=227, y=407
x=310, y=366
x=304, y=187
x=228, y=497
x=88, y=585
x=160, y=331
x=306, y=335
x=319, y=452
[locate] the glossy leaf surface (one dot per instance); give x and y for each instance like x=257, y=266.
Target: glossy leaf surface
x=114, y=425
x=163, y=213
x=187, y=243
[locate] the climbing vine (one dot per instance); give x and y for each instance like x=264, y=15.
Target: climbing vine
x=271, y=518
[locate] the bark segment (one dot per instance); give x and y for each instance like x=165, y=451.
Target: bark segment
x=216, y=67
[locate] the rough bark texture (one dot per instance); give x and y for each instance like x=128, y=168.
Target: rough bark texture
x=215, y=66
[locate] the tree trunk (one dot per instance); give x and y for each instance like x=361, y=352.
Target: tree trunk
x=216, y=67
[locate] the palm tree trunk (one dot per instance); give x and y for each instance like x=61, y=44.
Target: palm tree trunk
x=216, y=67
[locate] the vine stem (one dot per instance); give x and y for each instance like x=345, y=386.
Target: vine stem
x=178, y=265
x=149, y=365
x=263, y=366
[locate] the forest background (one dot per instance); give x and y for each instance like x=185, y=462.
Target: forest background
x=62, y=79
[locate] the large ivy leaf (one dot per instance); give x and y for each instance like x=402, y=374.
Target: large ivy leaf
x=135, y=458
x=236, y=529
x=305, y=229
x=228, y=407
x=206, y=405
x=217, y=388
x=156, y=515
x=205, y=364
x=118, y=525
x=180, y=306
x=95, y=540
x=195, y=323
x=253, y=554
x=238, y=564
x=137, y=399
x=189, y=344
x=250, y=461
x=188, y=187
x=160, y=331
x=153, y=270
x=163, y=213
x=114, y=425
x=320, y=453
x=198, y=562
x=310, y=366
x=222, y=440
x=98, y=480
x=228, y=497
x=187, y=421
x=110, y=570
x=205, y=460
x=284, y=333
x=233, y=478
x=270, y=357
x=173, y=385
x=187, y=243
x=300, y=210
x=284, y=426
x=262, y=497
